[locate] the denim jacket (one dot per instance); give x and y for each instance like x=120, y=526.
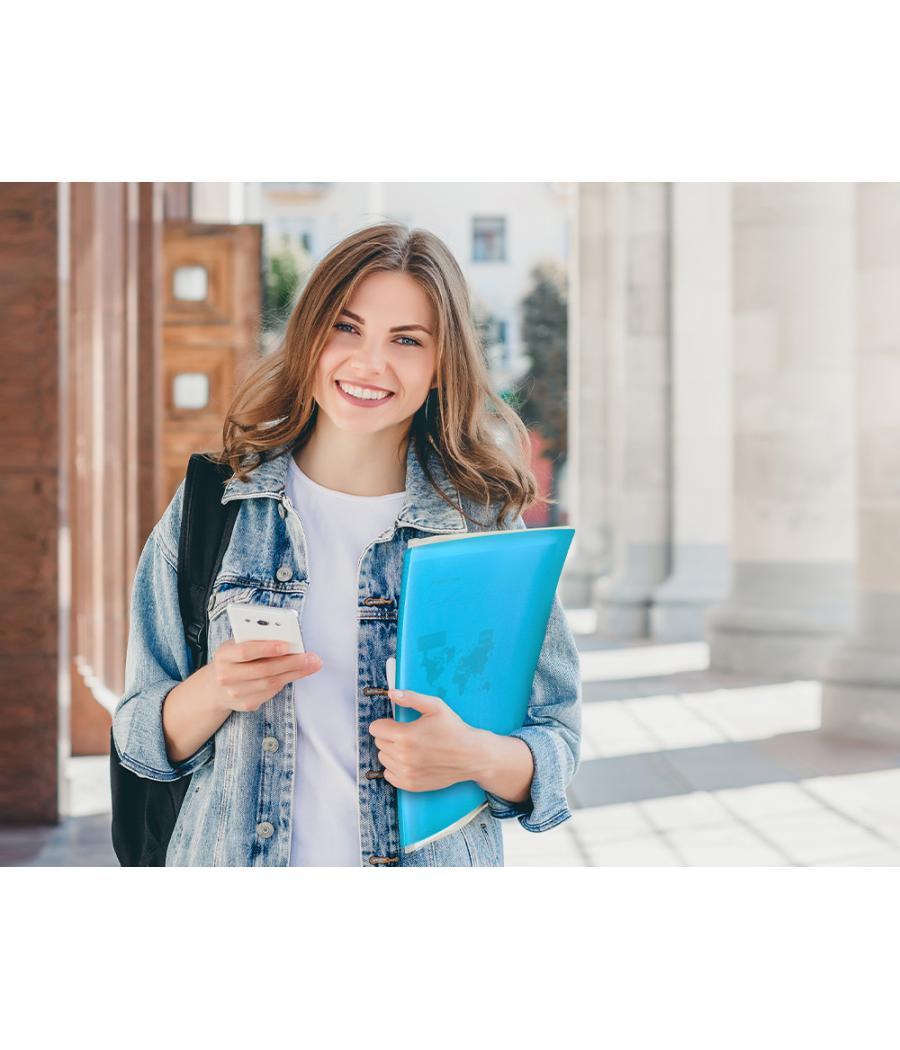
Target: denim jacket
x=238, y=808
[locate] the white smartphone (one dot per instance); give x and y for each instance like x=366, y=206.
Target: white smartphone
x=254, y=622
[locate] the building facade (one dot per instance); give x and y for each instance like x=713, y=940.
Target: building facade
x=734, y=445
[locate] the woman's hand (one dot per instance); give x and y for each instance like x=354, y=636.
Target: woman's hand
x=435, y=750
x=247, y=674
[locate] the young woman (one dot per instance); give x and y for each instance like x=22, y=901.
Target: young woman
x=373, y=423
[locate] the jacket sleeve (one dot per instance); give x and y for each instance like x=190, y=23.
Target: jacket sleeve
x=157, y=658
x=552, y=728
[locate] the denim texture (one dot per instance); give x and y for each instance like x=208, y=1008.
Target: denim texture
x=238, y=810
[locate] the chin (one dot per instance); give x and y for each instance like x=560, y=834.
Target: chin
x=364, y=421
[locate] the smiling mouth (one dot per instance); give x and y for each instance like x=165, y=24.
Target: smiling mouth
x=362, y=395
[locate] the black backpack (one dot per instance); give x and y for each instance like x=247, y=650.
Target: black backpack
x=144, y=811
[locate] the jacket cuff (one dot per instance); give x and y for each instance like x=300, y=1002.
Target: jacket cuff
x=548, y=805
x=139, y=724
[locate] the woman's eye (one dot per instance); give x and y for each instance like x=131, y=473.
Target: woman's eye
x=344, y=324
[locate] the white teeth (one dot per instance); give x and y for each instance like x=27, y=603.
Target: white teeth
x=367, y=395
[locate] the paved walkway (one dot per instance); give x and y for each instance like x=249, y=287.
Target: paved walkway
x=684, y=766
x=679, y=766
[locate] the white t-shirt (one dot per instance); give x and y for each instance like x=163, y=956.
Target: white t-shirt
x=338, y=527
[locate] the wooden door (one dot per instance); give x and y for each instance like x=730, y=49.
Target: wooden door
x=212, y=309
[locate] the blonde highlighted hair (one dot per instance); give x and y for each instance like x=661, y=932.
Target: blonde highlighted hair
x=482, y=443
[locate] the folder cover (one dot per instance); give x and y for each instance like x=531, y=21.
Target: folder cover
x=472, y=620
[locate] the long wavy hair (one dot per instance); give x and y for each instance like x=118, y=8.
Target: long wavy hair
x=482, y=444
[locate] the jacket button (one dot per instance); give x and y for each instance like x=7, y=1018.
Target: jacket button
x=270, y=743
x=283, y=573
x=265, y=830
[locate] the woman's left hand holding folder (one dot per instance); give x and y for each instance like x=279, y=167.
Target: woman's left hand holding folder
x=435, y=750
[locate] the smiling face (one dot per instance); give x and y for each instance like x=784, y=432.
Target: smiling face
x=378, y=365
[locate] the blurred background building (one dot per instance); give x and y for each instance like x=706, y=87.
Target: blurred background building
x=710, y=372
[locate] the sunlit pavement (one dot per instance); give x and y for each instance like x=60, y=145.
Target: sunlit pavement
x=679, y=766
x=685, y=766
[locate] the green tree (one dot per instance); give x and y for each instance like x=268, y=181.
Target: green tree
x=543, y=398
x=282, y=285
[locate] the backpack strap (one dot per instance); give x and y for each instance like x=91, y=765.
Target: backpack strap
x=206, y=527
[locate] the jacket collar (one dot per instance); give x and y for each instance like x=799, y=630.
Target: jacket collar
x=424, y=509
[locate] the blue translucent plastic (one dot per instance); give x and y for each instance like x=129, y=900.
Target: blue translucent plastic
x=472, y=620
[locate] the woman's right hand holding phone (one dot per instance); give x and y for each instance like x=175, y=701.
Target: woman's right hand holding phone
x=247, y=674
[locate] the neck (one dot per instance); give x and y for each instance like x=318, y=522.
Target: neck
x=358, y=464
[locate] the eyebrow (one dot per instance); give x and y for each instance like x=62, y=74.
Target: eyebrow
x=396, y=328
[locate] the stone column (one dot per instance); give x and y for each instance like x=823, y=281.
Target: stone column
x=638, y=418
x=594, y=282
x=34, y=685
x=861, y=687
x=793, y=548
x=701, y=411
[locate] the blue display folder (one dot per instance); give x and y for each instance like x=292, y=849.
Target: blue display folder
x=472, y=620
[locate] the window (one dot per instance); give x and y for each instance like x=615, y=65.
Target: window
x=488, y=239
x=190, y=390
x=190, y=284
x=496, y=341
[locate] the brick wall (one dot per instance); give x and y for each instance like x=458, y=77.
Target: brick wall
x=29, y=472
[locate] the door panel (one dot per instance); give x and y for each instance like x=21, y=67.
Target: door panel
x=212, y=303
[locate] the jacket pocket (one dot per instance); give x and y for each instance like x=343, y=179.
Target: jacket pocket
x=200, y=782
x=483, y=839
x=226, y=595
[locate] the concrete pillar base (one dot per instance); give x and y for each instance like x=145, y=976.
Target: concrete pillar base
x=861, y=711
x=794, y=654
x=623, y=610
x=575, y=588
x=782, y=618
x=680, y=621
x=861, y=684
x=623, y=602
x=580, y=574
x=700, y=581
x=619, y=619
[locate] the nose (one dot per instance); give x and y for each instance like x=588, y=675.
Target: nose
x=369, y=358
